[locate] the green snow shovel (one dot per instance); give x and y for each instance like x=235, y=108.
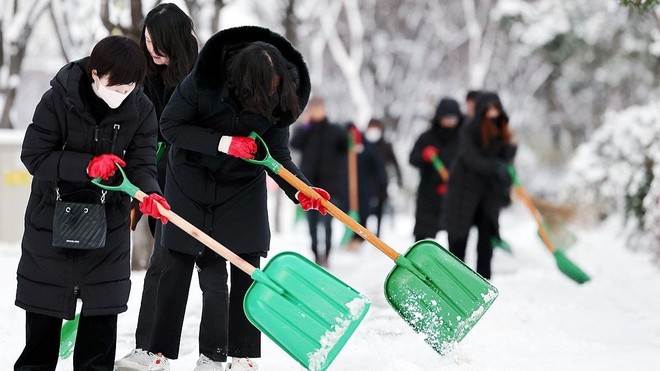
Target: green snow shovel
x=300, y=215
x=353, y=182
x=565, y=265
x=305, y=310
x=499, y=243
x=432, y=290
x=68, y=336
x=496, y=242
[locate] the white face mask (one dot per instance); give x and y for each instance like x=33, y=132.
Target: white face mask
x=373, y=134
x=111, y=97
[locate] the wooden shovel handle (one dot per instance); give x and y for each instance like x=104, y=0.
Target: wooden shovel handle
x=444, y=174
x=537, y=216
x=202, y=237
x=353, y=200
x=337, y=213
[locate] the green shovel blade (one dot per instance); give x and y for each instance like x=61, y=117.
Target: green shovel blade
x=498, y=243
x=68, y=337
x=314, y=316
x=440, y=297
x=569, y=268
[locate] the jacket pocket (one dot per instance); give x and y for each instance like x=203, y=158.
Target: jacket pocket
x=41, y=217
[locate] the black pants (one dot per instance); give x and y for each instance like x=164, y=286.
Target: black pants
x=94, y=350
x=314, y=218
x=487, y=228
x=213, y=296
x=224, y=329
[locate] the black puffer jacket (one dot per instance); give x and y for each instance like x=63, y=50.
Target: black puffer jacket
x=223, y=195
x=478, y=175
x=57, y=148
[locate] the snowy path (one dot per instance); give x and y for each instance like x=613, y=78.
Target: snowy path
x=541, y=320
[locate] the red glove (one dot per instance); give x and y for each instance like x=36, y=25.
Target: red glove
x=103, y=166
x=313, y=203
x=149, y=207
x=241, y=147
x=428, y=152
x=441, y=189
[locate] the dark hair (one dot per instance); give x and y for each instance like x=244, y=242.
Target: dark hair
x=376, y=123
x=488, y=129
x=120, y=57
x=250, y=76
x=472, y=95
x=173, y=36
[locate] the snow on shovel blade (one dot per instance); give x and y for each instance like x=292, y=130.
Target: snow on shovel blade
x=439, y=296
x=310, y=314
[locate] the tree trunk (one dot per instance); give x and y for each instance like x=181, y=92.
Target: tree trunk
x=291, y=22
x=18, y=49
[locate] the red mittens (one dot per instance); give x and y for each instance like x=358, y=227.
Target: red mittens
x=148, y=206
x=103, y=166
x=441, y=189
x=241, y=147
x=315, y=203
x=428, y=152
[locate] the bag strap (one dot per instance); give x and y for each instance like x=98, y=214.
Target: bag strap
x=58, y=198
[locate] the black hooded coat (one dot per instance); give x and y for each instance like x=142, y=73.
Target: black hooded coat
x=223, y=195
x=58, y=145
x=429, y=206
x=479, y=174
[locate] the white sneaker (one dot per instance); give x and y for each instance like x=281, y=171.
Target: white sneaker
x=242, y=364
x=205, y=363
x=142, y=360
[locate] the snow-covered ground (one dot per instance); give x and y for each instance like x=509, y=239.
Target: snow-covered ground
x=541, y=321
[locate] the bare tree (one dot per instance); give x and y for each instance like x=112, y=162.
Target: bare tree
x=206, y=15
x=132, y=28
x=69, y=18
x=22, y=24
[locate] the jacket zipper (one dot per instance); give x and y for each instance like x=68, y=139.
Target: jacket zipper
x=116, y=128
x=96, y=139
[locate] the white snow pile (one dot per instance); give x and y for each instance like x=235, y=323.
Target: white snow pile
x=619, y=171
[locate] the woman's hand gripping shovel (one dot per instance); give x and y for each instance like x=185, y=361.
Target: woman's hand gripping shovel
x=565, y=265
x=432, y=290
x=305, y=310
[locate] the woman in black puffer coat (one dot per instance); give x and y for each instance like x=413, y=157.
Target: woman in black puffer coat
x=94, y=114
x=246, y=79
x=480, y=183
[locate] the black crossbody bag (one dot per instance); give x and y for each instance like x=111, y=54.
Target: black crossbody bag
x=79, y=225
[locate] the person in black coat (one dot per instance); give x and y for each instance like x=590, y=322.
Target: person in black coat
x=479, y=184
x=384, y=149
x=169, y=44
x=372, y=178
x=322, y=147
x=94, y=115
x=440, y=140
x=246, y=79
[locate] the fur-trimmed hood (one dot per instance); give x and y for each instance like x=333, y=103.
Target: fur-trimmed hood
x=210, y=71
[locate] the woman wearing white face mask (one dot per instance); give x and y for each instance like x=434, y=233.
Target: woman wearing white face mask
x=113, y=96
x=385, y=150
x=92, y=118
